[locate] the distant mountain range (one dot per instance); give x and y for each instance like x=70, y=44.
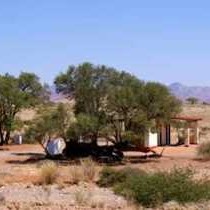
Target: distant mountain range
x=179, y=90
x=183, y=92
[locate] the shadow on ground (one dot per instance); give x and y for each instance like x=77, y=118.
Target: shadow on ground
x=36, y=158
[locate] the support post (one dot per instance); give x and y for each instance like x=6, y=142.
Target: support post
x=197, y=135
x=187, y=142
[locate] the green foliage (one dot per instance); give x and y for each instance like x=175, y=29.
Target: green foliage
x=17, y=93
x=89, y=85
x=85, y=126
x=159, y=103
x=51, y=121
x=157, y=188
x=108, y=99
x=110, y=177
x=133, y=138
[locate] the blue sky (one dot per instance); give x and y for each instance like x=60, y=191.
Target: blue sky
x=161, y=40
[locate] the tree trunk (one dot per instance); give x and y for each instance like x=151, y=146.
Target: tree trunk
x=95, y=138
x=118, y=136
x=1, y=136
x=7, y=137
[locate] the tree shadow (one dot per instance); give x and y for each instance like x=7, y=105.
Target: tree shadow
x=32, y=158
x=101, y=155
x=203, y=160
x=34, y=154
x=141, y=159
x=4, y=149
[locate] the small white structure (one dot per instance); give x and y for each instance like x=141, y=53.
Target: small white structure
x=55, y=146
x=18, y=139
x=151, y=139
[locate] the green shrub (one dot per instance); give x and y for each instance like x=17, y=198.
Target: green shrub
x=204, y=150
x=110, y=177
x=157, y=188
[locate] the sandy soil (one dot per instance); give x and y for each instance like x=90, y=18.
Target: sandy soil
x=20, y=163
x=19, y=175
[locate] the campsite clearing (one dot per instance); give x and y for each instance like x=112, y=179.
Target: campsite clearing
x=19, y=173
x=19, y=163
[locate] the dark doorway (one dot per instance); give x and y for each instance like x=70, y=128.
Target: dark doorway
x=168, y=135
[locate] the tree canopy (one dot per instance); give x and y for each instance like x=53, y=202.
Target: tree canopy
x=17, y=93
x=113, y=103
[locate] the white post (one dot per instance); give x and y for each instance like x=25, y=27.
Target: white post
x=177, y=135
x=197, y=135
x=20, y=139
x=187, y=143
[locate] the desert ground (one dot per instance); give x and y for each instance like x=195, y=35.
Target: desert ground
x=20, y=174
x=20, y=186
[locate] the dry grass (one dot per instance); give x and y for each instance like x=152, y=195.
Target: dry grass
x=98, y=204
x=89, y=170
x=86, y=172
x=82, y=197
x=48, y=173
x=75, y=174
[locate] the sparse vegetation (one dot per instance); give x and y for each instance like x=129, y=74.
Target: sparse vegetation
x=192, y=100
x=152, y=189
x=75, y=174
x=48, y=173
x=109, y=176
x=86, y=171
x=204, y=150
x=82, y=197
x=89, y=169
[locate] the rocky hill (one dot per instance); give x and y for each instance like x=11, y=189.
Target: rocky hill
x=183, y=92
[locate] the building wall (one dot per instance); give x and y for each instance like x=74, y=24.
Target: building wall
x=162, y=137
x=174, y=136
x=151, y=140
x=178, y=135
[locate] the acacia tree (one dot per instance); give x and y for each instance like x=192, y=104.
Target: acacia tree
x=123, y=102
x=17, y=93
x=140, y=105
x=106, y=98
x=88, y=85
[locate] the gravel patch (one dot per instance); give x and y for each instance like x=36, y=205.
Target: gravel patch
x=84, y=196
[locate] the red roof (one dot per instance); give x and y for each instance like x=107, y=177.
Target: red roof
x=186, y=118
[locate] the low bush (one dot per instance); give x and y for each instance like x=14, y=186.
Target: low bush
x=88, y=169
x=110, y=177
x=157, y=188
x=204, y=150
x=48, y=173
